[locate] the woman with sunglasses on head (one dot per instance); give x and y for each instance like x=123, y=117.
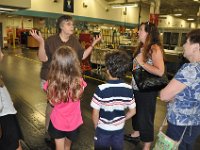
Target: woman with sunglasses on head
x=149, y=56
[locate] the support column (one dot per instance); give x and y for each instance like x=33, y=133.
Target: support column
x=154, y=12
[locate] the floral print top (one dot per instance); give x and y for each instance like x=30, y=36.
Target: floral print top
x=185, y=108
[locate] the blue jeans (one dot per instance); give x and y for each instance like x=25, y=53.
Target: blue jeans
x=189, y=138
x=104, y=140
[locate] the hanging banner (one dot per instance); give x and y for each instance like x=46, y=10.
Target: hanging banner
x=154, y=18
x=69, y=5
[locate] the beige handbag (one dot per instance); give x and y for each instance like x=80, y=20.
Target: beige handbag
x=164, y=142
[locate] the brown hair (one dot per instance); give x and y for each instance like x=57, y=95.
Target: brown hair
x=152, y=38
x=64, y=76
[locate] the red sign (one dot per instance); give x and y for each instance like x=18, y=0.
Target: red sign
x=154, y=18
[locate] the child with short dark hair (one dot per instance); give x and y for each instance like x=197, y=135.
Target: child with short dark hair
x=109, y=103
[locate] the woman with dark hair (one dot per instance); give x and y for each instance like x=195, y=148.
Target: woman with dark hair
x=149, y=56
x=183, y=95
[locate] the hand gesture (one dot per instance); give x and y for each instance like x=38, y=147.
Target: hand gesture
x=96, y=39
x=37, y=36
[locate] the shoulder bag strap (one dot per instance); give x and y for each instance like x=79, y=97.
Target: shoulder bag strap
x=165, y=120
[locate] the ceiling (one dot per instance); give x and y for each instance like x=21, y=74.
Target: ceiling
x=188, y=8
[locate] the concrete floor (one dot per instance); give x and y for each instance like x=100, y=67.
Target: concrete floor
x=20, y=69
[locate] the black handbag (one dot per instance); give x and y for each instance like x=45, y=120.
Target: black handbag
x=146, y=81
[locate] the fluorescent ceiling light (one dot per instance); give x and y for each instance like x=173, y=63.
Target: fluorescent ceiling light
x=123, y=5
x=195, y=0
x=190, y=19
x=177, y=15
x=7, y=9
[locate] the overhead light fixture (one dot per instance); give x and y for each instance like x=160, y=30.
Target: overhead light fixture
x=177, y=15
x=123, y=5
x=190, y=19
x=195, y=0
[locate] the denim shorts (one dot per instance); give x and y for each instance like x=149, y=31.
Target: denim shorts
x=189, y=138
x=104, y=140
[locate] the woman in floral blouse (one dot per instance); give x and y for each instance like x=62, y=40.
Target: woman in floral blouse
x=183, y=95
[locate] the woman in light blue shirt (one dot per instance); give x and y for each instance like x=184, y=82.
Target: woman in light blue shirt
x=183, y=95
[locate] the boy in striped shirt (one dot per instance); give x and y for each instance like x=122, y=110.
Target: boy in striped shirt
x=109, y=103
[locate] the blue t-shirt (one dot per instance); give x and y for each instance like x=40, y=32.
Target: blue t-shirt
x=185, y=108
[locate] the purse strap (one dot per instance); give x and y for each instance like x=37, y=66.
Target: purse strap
x=165, y=120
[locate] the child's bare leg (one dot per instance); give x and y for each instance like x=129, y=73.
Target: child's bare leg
x=20, y=146
x=60, y=144
x=67, y=144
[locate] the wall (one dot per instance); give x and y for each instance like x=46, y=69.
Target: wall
x=101, y=9
x=18, y=4
x=95, y=9
x=169, y=21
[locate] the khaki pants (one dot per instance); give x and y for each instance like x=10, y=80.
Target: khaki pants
x=49, y=108
x=47, y=111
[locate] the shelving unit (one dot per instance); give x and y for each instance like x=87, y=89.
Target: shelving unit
x=110, y=37
x=48, y=32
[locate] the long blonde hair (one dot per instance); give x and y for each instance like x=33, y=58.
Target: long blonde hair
x=64, y=76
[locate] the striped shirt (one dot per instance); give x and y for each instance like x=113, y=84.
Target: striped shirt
x=111, y=99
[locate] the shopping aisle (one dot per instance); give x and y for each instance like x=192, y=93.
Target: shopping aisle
x=21, y=75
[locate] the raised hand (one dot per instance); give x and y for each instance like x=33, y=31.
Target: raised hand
x=96, y=39
x=37, y=35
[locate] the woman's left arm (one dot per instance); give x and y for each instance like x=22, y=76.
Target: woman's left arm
x=172, y=89
x=158, y=67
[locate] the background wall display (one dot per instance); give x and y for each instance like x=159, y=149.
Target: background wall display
x=68, y=5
